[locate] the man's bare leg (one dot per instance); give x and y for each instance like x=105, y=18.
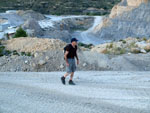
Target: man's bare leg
x=66, y=75
x=71, y=76
x=63, y=78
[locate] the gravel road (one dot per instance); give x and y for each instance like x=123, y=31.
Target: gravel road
x=95, y=92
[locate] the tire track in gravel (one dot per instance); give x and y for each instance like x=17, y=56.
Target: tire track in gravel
x=24, y=94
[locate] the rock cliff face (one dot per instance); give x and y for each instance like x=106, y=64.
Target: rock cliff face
x=136, y=3
x=126, y=5
x=130, y=18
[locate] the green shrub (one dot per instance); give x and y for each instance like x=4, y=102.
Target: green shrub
x=15, y=53
x=145, y=39
x=124, y=42
x=116, y=51
x=110, y=46
x=23, y=53
x=28, y=54
x=20, y=33
x=7, y=52
x=85, y=45
x=2, y=50
x=2, y=47
x=122, y=51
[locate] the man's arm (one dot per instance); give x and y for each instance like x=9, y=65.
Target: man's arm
x=66, y=53
x=77, y=58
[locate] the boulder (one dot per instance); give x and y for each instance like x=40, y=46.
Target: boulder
x=143, y=51
x=42, y=62
x=141, y=45
x=47, y=58
x=147, y=48
x=135, y=50
x=84, y=64
x=61, y=66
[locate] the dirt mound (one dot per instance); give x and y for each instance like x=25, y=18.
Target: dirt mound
x=33, y=44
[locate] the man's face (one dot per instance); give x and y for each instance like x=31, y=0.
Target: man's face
x=74, y=43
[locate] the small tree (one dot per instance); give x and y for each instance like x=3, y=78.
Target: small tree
x=20, y=33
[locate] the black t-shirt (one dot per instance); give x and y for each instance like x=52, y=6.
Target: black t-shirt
x=72, y=51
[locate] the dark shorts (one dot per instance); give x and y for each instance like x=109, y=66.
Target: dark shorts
x=72, y=66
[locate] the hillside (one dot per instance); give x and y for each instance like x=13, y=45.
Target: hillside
x=59, y=7
x=45, y=55
x=127, y=19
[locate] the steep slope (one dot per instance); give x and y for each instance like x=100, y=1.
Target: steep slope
x=127, y=19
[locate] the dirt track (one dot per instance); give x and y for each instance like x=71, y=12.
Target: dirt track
x=95, y=92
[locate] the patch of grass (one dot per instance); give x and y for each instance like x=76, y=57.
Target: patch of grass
x=122, y=51
x=116, y=51
x=132, y=45
x=7, y=52
x=85, y=45
x=23, y=53
x=3, y=52
x=2, y=48
x=124, y=42
x=145, y=39
x=28, y=54
x=120, y=40
x=15, y=53
x=110, y=46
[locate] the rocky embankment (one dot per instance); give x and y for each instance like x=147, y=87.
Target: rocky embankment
x=126, y=46
x=45, y=53
x=34, y=54
x=130, y=18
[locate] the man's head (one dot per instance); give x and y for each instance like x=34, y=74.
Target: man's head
x=74, y=41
